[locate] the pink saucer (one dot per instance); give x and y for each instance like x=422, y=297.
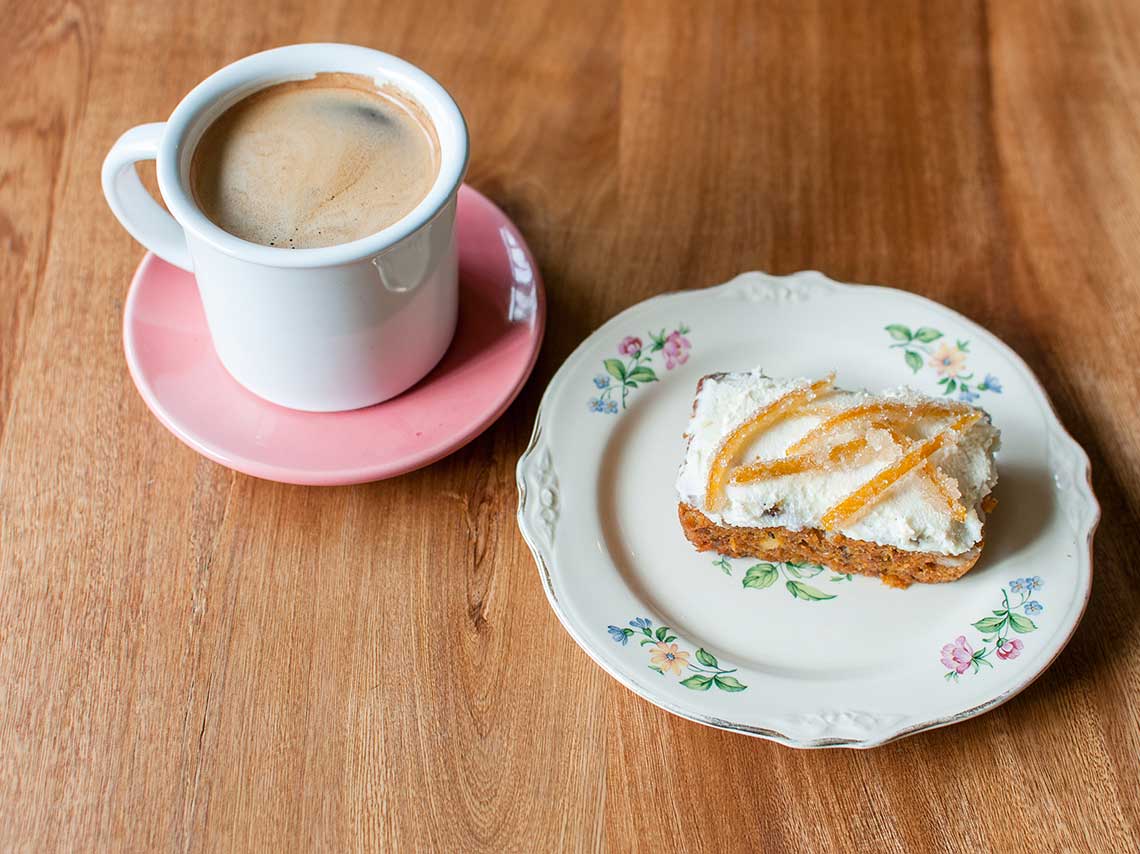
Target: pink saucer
x=502, y=312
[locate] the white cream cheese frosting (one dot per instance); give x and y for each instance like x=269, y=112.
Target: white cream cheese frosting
x=912, y=515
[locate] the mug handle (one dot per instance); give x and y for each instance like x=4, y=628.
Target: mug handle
x=134, y=207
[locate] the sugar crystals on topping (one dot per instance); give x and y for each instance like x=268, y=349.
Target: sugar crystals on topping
x=738, y=439
x=885, y=427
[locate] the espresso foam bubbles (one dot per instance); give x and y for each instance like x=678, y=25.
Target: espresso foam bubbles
x=312, y=163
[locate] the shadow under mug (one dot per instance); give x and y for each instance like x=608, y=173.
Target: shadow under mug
x=327, y=329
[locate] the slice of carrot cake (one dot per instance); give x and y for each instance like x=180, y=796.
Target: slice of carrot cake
x=895, y=485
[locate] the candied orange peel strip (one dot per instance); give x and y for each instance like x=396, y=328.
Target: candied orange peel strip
x=774, y=468
x=943, y=483
x=797, y=464
x=892, y=409
x=940, y=481
x=873, y=489
x=738, y=439
x=812, y=461
x=846, y=450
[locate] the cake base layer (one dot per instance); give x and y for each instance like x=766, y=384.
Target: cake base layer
x=894, y=566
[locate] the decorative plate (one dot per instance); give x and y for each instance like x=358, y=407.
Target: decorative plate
x=794, y=652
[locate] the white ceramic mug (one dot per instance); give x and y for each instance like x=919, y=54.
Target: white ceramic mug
x=326, y=329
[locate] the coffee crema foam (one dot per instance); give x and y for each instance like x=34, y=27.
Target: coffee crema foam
x=317, y=162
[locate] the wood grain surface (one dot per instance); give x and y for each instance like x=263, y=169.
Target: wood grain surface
x=195, y=660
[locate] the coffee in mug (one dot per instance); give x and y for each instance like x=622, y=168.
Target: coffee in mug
x=311, y=190
x=313, y=163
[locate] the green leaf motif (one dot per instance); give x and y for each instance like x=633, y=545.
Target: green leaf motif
x=706, y=658
x=925, y=334
x=627, y=632
x=728, y=683
x=643, y=374
x=697, y=682
x=806, y=591
x=989, y=625
x=615, y=368
x=661, y=632
x=913, y=360
x=1022, y=625
x=803, y=570
x=658, y=669
x=760, y=576
x=846, y=577
x=950, y=386
x=899, y=332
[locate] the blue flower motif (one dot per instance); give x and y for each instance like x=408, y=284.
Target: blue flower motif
x=596, y=404
x=992, y=383
x=619, y=635
x=601, y=381
x=611, y=407
x=641, y=623
x=968, y=396
x=1033, y=607
x=1018, y=585
x=1034, y=583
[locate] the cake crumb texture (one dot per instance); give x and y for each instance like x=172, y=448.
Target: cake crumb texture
x=896, y=567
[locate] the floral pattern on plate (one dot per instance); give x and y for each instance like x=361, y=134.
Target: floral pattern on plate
x=960, y=657
x=665, y=656
x=635, y=367
x=947, y=360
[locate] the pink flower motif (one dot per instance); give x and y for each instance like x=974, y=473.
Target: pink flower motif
x=958, y=656
x=629, y=345
x=948, y=360
x=676, y=350
x=1010, y=649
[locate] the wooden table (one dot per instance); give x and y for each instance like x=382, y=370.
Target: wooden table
x=192, y=659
